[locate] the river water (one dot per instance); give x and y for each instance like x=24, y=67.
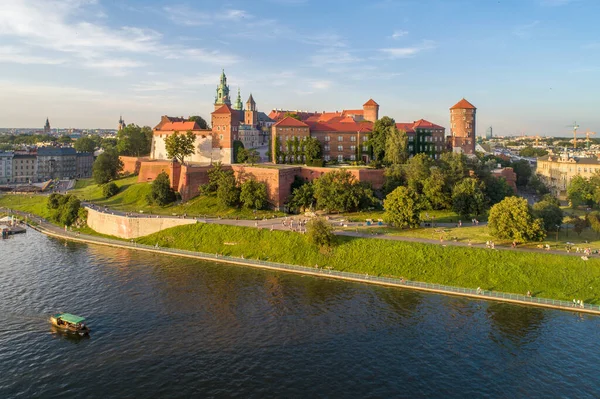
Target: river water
x=173, y=327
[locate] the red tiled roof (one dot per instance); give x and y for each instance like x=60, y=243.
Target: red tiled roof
x=353, y=112
x=223, y=109
x=289, y=121
x=406, y=127
x=179, y=126
x=370, y=103
x=349, y=127
x=463, y=104
x=426, y=124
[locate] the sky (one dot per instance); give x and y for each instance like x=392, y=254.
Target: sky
x=529, y=66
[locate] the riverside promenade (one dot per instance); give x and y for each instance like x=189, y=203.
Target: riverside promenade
x=52, y=230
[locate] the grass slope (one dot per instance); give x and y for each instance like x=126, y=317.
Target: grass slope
x=545, y=275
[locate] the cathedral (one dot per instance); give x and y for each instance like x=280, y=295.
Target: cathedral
x=228, y=124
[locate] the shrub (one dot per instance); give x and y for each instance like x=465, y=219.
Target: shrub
x=161, y=192
x=110, y=189
x=319, y=232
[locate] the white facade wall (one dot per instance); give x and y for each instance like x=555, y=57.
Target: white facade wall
x=204, y=151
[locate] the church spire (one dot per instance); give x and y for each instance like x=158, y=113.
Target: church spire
x=222, y=96
x=238, y=102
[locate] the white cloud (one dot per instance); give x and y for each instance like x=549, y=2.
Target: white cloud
x=398, y=34
x=407, y=52
x=59, y=26
x=185, y=15
x=11, y=54
x=320, y=84
x=333, y=56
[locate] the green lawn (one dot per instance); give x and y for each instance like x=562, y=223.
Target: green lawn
x=438, y=216
x=545, y=275
x=35, y=204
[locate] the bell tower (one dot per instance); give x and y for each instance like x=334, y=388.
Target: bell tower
x=251, y=115
x=222, y=96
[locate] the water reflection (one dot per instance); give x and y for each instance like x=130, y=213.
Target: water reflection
x=519, y=324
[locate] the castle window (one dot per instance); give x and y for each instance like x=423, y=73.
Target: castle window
x=327, y=138
x=353, y=157
x=327, y=158
x=326, y=147
x=365, y=148
x=340, y=138
x=353, y=148
x=365, y=138
x=340, y=158
x=352, y=138
x=340, y=148
x=411, y=138
x=220, y=136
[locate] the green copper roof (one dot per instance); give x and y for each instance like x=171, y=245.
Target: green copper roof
x=70, y=318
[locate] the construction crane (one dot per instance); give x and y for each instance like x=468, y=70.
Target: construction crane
x=587, y=138
x=574, y=126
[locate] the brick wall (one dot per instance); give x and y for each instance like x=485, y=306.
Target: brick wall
x=131, y=165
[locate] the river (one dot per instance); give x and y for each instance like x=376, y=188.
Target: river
x=174, y=327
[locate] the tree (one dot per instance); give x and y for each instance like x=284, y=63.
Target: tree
x=199, y=120
x=455, y=168
x=538, y=185
x=108, y=144
x=513, y=219
x=85, y=144
x=214, y=175
x=396, y=144
x=110, y=189
x=319, y=232
x=161, y=192
x=179, y=146
x=579, y=224
x=378, y=136
x=292, y=115
x=106, y=167
x=239, y=153
x=64, y=139
x=250, y=156
x=133, y=140
x=434, y=190
x=417, y=170
x=531, y=152
x=550, y=198
x=393, y=176
x=468, y=197
x=523, y=171
x=496, y=189
x=302, y=198
x=312, y=149
x=253, y=194
x=580, y=192
x=403, y=208
x=594, y=221
x=64, y=209
x=550, y=213
x=339, y=191
x=228, y=191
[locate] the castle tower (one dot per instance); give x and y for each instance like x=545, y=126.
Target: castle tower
x=462, y=127
x=371, y=110
x=47, y=126
x=222, y=96
x=251, y=115
x=121, y=125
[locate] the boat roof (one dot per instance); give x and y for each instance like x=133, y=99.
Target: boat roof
x=70, y=318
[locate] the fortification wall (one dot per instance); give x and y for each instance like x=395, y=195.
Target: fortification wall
x=129, y=227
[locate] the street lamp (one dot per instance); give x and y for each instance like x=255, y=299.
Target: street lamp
x=557, y=228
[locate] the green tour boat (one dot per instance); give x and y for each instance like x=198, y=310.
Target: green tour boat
x=70, y=323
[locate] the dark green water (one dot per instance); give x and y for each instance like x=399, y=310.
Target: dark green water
x=170, y=327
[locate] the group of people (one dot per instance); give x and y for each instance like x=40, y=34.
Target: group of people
x=578, y=303
x=490, y=244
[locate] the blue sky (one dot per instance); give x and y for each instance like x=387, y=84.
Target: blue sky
x=528, y=65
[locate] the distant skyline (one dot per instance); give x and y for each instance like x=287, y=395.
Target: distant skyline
x=529, y=66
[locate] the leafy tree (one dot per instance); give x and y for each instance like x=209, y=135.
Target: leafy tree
x=319, y=232
x=312, y=149
x=214, y=175
x=133, y=140
x=64, y=140
x=199, y=120
x=417, y=170
x=292, y=115
x=523, y=172
x=108, y=144
x=403, y=208
x=179, y=146
x=579, y=224
x=468, y=197
x=538, y=185
x=394, y=176
x=496, y=189
x=378, y=136
x=64, y=209
x=550, y=213
x=110, y=189
x=434, y=190
x=85, y=144
x=580, y=191
x=594, y=221
x=53, y=201
x=550, y=198
x=253, y=194
x=396, y=145
x=106, y=167
x=302, y=197
x=512, y=218
x=454, y=166
x=532, y=152
x=228, y=191
x=339, y=191
x=161, y=192
x=239, y=153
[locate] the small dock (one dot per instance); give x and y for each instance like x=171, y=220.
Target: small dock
x=9, y=226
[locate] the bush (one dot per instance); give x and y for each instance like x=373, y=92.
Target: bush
x=512, y=218
x=161, y=192
x=253, y=194
x=64, y=208
x=315, y=162
x=110, y=189
x=319, y=232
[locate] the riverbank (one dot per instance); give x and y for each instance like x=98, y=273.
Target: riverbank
x=322, y=271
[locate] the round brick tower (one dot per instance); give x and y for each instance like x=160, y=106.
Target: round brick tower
x=371, y=110
x=462, y=127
